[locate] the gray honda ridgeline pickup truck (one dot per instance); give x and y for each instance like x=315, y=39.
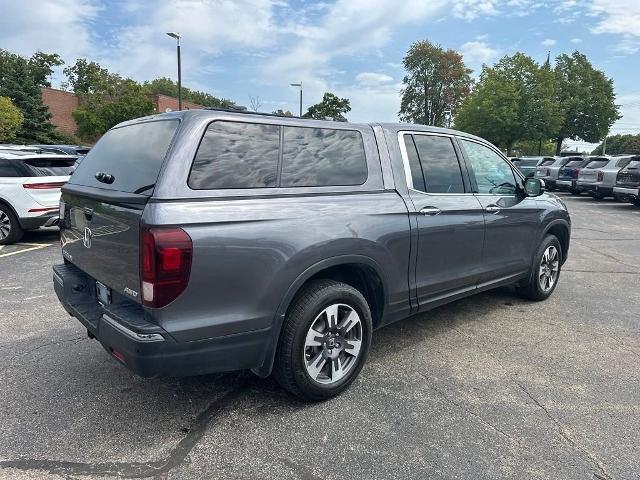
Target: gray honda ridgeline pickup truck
x=212, y=240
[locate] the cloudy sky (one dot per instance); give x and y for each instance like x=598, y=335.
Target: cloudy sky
x=237, y=48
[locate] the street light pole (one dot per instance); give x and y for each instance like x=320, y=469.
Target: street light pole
x=298, y=85
x=177, y=37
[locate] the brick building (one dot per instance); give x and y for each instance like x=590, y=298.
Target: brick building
x=61, y=104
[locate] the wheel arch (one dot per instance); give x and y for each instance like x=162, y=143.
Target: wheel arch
x=360, y=271
x=561, y=230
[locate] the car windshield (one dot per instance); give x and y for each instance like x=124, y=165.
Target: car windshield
x=45, y=167
x=573, y=163
x=633, y=164
x=549, y=161
x=527, y=162
x=597, y=164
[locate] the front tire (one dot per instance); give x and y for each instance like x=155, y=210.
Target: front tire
x=325, y=340
x=10, y=230
x=546, y=270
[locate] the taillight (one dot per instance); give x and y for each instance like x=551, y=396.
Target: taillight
x=600, y=175
x=165, y=264
x=43, y=186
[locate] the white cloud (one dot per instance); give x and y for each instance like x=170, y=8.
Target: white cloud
x=348, y=27
x=372, y=79
x=477, y=52
x=52, y=26
x=620, y=17
x=548, y=42
x=576, y=40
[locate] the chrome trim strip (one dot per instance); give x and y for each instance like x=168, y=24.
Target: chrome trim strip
x=139, y=337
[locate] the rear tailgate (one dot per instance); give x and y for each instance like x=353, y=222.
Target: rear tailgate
x=101, y=221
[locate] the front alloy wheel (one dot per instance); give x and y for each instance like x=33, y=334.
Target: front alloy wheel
x=549, y=268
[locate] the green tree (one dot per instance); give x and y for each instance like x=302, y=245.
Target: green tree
x=587, y=99
x=617, y=144
x=21, y=80
x=331, y=107
x=166, y=86
x=10, y=119
x=492, y=109
x=283, y=113
x=515, y=100
x=106, y=99
x=435, y=83
x=41, y=67
x=534, y=147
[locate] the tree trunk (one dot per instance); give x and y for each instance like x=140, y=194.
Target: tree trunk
x=509, y=148
x=559, y=141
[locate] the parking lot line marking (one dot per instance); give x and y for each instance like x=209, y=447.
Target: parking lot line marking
x=23, y=244
x=24, y=250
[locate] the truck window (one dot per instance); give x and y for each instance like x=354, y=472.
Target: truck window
x=492, y=174
x=133, y=154
x=236, y=155
x=315, y=157
x=417, y=179
x=439, y=162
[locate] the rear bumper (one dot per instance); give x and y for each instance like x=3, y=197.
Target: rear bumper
x=626, y=193
x=566, y=184
x=126, y=332
x=31, y=223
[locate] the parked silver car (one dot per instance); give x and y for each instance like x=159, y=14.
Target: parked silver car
x=548, y=169
x=598, y=177
x=527, y=165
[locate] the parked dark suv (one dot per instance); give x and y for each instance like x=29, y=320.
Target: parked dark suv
x=206, y=240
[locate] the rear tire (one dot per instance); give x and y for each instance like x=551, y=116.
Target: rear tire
x=546, y=267
x=10, y=230
x=324, y=341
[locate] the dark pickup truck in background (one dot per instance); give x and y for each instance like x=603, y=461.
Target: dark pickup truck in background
x=210, y=240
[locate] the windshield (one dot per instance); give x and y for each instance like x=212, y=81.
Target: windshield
x=47, y=167
x=633, y=164
x=573, y=163
x=549, y=161
x=526, y=163
x=597, y=164
x=132, y=154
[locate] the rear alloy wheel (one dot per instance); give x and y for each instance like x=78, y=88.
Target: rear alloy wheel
x=324, y=342
x=10, y=231
x=546, y=270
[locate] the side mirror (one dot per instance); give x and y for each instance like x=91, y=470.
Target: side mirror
x=533, y=187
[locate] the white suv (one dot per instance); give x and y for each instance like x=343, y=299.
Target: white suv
x=30, y=191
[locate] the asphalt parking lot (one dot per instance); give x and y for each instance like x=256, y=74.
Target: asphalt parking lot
x=488, y=387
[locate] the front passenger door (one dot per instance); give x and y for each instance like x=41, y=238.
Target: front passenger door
x=450, y=224
x=511, y=218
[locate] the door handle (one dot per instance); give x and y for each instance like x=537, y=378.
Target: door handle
x=430, y=211
x=492, y=209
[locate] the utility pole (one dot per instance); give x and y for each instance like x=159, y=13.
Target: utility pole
x=177, y=37
x=299, y=84
x=604, y=146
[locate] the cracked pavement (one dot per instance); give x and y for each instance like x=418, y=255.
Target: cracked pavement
x=488, y=387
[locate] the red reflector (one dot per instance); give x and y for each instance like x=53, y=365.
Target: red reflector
x=165, y=264
x=600, y=175
x=119, y=355
x=43, y=186
x=49, y=209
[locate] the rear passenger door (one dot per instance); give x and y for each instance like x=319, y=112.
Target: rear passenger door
x=511, y=218
x=449, y=218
